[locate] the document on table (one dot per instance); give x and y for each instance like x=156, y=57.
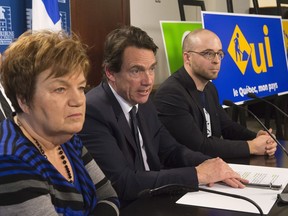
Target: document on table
x=264, y=197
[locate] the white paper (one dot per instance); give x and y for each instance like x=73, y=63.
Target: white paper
x=265, y=198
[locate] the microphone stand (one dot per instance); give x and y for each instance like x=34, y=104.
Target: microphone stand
x=254, y=96
x=230, y=103
x=180, y=189
x=277, y=119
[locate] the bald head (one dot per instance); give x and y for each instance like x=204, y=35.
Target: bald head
x=198, y=40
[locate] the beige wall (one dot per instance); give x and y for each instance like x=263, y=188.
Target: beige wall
x=264, y=3
x=146, y=14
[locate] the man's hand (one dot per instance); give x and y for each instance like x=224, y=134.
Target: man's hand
x=262, y=144
x=216, y=170
x=262, y=132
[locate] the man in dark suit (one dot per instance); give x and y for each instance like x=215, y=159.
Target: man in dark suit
x=151, y=157
x=188, y=105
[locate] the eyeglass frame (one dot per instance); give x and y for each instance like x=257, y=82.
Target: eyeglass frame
x=204, y=52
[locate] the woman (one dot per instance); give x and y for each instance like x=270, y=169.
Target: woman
x=44, y=168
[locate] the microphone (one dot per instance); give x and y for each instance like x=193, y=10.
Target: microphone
x=169, y=189
x=254, y=96
x=180, y=189
x=230, y=103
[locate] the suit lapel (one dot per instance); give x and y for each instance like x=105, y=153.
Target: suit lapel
x=119, y=114
x=213, y=107
x=146, y=136
x=189, y=86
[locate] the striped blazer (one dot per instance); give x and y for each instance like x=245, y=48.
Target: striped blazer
x=30, y=185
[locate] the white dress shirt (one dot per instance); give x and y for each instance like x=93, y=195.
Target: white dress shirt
x=126, y=107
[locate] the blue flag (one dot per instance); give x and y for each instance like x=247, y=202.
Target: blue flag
x=45, y=15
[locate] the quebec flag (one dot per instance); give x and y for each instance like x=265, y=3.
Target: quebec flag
x=45, y=15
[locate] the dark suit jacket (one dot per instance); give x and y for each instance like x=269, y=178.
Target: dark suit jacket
x=181, y=111
x=107, y=136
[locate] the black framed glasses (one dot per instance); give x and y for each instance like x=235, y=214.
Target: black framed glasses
x=210, y=54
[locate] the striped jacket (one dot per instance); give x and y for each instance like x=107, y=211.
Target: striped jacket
x=30, y=185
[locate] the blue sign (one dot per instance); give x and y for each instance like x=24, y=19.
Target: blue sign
x=64, y=9
x=255, y=59
x=12, y=21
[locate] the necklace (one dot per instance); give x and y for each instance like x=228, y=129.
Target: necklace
x=62, y=157
x=59, y=149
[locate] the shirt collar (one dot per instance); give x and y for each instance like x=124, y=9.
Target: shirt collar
x=126, y=107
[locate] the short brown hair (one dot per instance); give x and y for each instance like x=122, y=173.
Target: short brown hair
x=34, y=52
x=121, y=38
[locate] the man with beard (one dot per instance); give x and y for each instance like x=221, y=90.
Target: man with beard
x=189, y=107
